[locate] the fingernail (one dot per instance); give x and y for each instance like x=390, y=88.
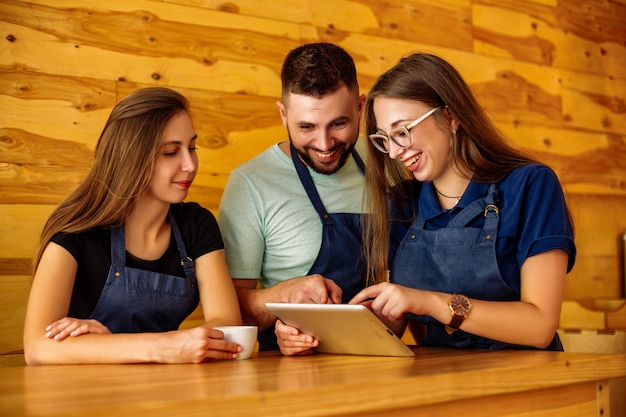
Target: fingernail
x=48, y=334
x=49, y=327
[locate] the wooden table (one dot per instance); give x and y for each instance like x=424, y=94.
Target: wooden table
x=445, y=381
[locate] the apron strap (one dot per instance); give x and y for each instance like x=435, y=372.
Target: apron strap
x=479, y=207
x=309, y=186
x=118, y=247
x=485, y=206
x=185, y=260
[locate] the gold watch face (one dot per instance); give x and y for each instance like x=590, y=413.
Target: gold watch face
x=460, y=305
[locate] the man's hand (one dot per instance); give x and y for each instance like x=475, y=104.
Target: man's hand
x=292, y=342
x=312, y=289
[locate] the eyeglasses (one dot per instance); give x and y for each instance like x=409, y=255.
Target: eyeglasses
x=401, y=135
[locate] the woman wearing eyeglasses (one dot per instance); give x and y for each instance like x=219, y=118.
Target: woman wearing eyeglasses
x=470, y=240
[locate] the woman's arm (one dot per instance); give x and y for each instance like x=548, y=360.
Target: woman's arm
x=49, y=301
x=217, y=292
x=532, y=321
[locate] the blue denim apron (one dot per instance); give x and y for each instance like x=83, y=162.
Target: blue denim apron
x=340, y=256
x=135, y=300
x=456, y=259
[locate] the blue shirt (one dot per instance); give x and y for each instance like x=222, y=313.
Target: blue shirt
x=533, y=210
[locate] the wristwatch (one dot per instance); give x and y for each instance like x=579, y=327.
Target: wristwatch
x=460, y=306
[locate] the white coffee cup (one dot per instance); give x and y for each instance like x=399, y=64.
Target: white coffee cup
x=244, y=336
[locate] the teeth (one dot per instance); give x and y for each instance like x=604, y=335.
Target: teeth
x=412, y=161
x=325, y=154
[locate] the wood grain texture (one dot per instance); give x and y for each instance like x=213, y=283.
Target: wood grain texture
x=599, y=221
x=571, y=401
x=551, y=73
x=21, y=226
x=13, y=296
x=438, y=381
x=150, y=42
x=606, y=316
x=587, y=36
x=417, y=21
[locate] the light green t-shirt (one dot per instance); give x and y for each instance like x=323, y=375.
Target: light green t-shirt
x=270, y=228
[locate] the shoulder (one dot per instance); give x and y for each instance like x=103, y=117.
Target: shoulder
x=96, y=233
x=531, y=184
x=530, y=172
x=266, y=170
x=87, y=242
x=272, y=156
x=529, y=178
x=260, y=180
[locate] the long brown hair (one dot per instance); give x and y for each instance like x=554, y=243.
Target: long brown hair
x=478, y=146
x=122, y=166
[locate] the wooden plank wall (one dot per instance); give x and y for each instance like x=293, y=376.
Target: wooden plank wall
x=552, y=73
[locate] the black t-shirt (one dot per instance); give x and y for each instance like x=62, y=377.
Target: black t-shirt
x=92, y=251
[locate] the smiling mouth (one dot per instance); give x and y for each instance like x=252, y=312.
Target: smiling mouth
x=412, y=161
x=326, y=155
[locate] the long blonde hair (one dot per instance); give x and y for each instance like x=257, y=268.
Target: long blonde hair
x=122, y=166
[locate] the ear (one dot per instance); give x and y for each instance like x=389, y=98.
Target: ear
x=362, y=98
x=452, y=120
x=282, y=111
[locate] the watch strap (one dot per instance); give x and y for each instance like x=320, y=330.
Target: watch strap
x=457, y=318
x=456, y=321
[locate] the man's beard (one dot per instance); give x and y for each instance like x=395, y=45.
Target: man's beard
x=320, y=169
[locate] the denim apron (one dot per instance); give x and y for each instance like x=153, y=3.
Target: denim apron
x=135, y=300
x=456, y=259
x=340, y=255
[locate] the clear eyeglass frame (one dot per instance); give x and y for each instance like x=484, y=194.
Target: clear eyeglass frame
x=400, y=136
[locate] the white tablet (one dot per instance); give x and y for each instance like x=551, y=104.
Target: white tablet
x=348, y=329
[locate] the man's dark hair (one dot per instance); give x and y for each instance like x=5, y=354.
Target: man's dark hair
x=317, y=69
